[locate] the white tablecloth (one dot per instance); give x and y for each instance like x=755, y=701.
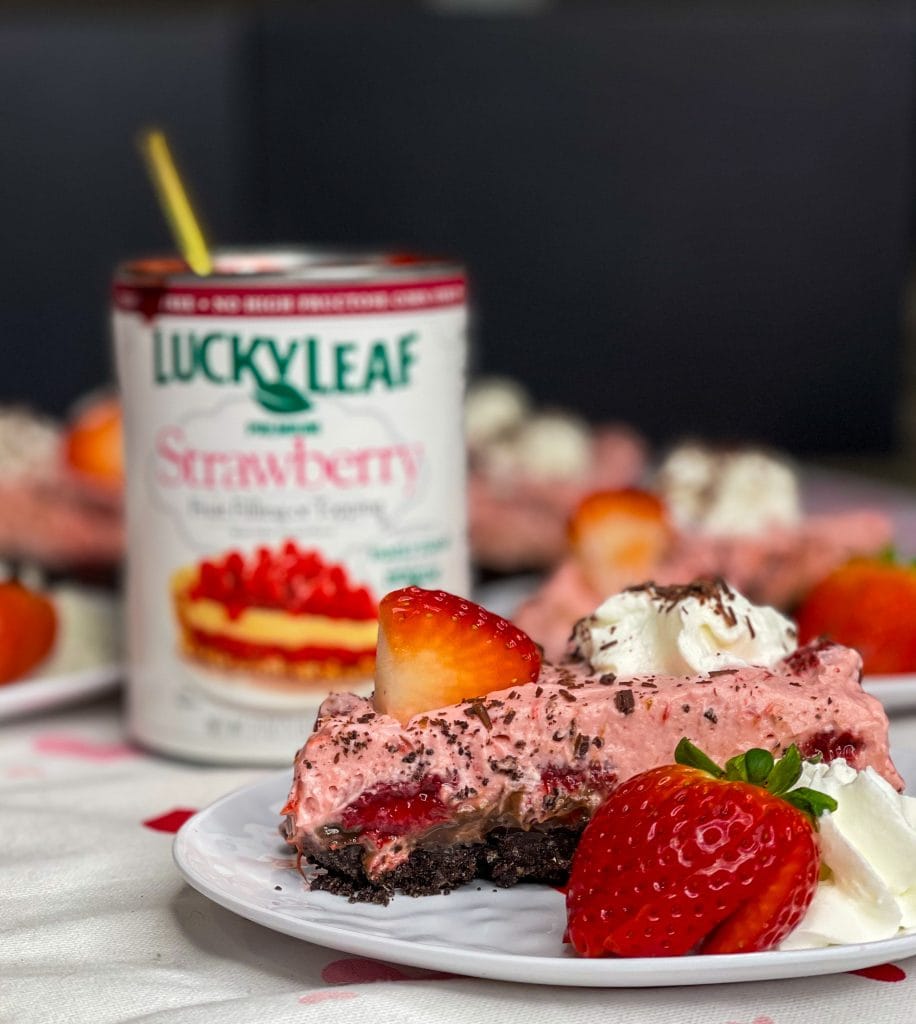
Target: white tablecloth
x=97, y=926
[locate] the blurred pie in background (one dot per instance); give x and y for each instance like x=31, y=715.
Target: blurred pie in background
x=529, y=468
x=735, y=514
x=61, y=488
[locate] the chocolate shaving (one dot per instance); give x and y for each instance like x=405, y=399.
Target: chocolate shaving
x=479, y=711
x=711, y=716
x=625, y=702
x=608, y=679
x=566, y=695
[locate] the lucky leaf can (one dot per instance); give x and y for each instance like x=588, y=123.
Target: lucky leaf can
x=294, y=450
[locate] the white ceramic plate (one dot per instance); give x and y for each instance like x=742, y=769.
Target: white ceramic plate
x=896, y=693
x=231, y=852
x=85, y=661
x=44, y=692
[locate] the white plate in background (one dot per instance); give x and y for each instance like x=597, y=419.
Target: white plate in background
x=896, y=693
x=85, y=662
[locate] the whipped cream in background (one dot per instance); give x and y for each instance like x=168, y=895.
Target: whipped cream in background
x=508, y=440
x=28, y=443
x=682, y=630
x=492, y=408
x=869, y=848
x=729, y=493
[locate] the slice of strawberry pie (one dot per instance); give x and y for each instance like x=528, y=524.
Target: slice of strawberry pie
x=286, y=615
x=474, y=761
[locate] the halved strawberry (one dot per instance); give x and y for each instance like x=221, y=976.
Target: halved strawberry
x=28, y=627
x=94, y=445
x=869, y=604
x=436, y=649
x=618, y=538
x=691, y=858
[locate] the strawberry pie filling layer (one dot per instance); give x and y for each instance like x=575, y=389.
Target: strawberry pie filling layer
x=545, y=754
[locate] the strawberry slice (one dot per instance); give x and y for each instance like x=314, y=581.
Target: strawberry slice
x=618, y=538
x=436, y=649
x=693, y=858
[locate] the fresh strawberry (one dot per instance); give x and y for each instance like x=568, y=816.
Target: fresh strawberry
x=618, y=537
x=93, y=446
x=691, y=858
x=436, y=649
x=28, y=625
x=869, y=604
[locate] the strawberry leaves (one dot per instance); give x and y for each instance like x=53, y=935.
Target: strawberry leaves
x=758, y=768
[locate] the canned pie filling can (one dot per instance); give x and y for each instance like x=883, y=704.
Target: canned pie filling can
x=294, y=450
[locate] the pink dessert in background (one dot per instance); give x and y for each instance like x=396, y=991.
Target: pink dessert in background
x=48, y=513
x=735, y=514
x=528, y=470
x=522, y=524
x=541, y=754
x=776, y=567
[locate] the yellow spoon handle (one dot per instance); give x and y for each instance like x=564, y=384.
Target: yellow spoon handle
x=174, y=201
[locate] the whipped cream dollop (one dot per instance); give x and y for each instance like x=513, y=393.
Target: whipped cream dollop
x=729, y=493
x=28, y=443
x=692, y=629
x=508, y=441
x=493, y=408
x=867, y=890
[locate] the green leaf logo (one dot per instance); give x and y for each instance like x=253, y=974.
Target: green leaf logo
x=281, y=397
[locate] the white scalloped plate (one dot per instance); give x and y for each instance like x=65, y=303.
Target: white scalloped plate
x=231, y=852
x=896, y=693
x=76, y=670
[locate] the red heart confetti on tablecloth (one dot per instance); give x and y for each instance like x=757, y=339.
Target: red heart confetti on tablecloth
x=171, y=821
x=360, y=971
x=882, y=972
x=322, y=997
x=63, y=744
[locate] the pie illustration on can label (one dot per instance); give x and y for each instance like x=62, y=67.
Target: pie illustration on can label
x=286, y=617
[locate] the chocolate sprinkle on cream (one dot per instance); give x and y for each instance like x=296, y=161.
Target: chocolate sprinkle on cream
x=625, y=702
x=479, y=711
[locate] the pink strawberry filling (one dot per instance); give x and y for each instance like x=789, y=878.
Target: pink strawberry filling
x=832, y=745
x=596, y=779
x=387, y=810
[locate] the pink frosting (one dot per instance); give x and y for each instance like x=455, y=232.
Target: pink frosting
x=774, y=568
x=493, y=753
x=522, y=523
x=59, y=522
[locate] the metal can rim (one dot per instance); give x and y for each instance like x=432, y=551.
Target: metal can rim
x=289, y=265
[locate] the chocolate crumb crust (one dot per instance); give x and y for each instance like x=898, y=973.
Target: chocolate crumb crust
x=506, y=857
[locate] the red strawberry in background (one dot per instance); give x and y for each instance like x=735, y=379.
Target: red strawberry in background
x=436, y=649
x=869, y=604
x=693, y=858
x=618, y=538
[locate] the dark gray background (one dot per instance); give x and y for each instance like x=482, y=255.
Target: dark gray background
x=697, y=221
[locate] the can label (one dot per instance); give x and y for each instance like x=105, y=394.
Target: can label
x=294, y=452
